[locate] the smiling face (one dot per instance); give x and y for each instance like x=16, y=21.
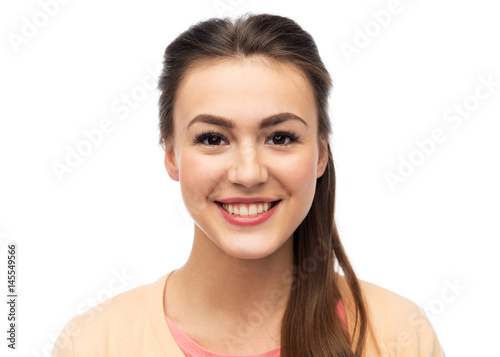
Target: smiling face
x=245, y=141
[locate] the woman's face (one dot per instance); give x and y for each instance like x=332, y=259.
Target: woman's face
x=245, y=134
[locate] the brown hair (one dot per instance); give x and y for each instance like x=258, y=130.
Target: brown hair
x=310, y=324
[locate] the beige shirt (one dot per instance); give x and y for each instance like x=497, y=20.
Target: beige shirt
x=133, y=324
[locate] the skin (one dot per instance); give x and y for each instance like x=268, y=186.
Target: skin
x=230, y=295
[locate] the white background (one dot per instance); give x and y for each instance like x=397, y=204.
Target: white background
x=118, y=212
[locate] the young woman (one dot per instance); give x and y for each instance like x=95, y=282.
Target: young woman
x=245, y=127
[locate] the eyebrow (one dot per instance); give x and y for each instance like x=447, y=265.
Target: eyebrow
x=228, y=123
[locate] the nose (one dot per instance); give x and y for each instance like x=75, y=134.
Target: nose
x=247, y=167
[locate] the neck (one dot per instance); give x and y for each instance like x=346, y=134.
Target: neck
x=238, y=294
x=228, y=283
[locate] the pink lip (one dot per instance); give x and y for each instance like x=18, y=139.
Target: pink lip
x=247, y=199
x=247, y=220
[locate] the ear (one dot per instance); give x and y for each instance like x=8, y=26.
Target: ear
x=322, y=155
x=171, y=161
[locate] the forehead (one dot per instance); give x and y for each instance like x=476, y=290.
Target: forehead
x=245, y=91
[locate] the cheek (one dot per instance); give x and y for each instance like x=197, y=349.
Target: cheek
x=298, y=177
x=298, y=172
x=198, y=177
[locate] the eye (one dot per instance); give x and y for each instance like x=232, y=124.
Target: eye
x=282, y=138
x=279, y=138
x=210, y=138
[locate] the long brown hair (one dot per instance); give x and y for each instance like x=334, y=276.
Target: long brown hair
x=311, y=326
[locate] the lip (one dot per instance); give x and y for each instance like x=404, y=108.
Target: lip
x=247, y=220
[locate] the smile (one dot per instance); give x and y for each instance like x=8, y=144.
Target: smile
x=248, y=209
x=247, y=214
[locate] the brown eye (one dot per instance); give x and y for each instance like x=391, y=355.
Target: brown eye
x=210, y=139
x=279, y=139
x=282, y=138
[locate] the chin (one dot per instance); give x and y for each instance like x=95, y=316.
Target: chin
x=251, y=249
x=249, y=254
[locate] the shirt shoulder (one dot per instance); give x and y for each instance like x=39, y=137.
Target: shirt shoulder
x=109, y=327
x=397, y=326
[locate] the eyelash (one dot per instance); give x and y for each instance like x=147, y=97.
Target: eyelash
x=200, y=138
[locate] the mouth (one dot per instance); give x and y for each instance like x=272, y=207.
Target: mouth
x=248, y=209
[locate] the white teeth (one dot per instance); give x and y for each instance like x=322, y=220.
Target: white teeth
x=244, y=210
x=252, y=210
